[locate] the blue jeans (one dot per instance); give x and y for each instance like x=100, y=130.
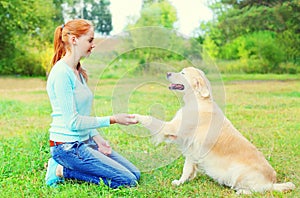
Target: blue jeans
x=83, y=161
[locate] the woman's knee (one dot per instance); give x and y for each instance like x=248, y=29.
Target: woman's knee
x=137, y=175
x=129, y=180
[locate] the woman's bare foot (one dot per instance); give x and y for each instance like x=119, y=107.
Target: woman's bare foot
x=59, y=170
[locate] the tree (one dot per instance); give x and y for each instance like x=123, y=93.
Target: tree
x=24, y=28
x=154, y=28
x=240, y=4
x=101, y=17
x=58, y=9
x=147, y=3
x=246, y=19
x=160, y=13
x=96, y=11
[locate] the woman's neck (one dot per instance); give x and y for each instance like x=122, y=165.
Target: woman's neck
x=71, y=60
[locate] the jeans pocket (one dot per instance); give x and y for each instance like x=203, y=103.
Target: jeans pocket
x=65, y=154
x=68, y=146
x=66, y=150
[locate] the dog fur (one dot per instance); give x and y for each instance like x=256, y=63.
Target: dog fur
x=208, y=140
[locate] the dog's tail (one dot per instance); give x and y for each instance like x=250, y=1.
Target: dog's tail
x=283, y=187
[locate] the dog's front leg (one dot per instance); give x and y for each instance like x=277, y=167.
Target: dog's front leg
x=159, y=129
x=189, y=172
x=153, y=124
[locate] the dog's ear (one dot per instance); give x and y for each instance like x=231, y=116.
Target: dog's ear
x=201, y=87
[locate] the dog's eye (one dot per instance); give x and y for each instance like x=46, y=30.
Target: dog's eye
x=182, y=73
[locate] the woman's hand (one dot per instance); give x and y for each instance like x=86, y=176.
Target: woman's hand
x=123, y=118
x=104, y=148
x=103, y=145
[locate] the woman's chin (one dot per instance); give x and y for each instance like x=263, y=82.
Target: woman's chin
x=87, y=54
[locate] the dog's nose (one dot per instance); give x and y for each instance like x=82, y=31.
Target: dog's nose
x=168, y=74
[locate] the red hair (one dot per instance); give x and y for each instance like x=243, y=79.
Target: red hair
x=76, y=27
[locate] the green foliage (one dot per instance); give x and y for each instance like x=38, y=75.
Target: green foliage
x=24, y=29
x=259, y=51
x=96, y=11
x=289, y=42
x=211, y=48
x=262, y=35
x=28, y=64
x=45, y=56
x=289, y=68
x=251, y=16
x=58, y=11
x=161, y=14
x=100, y=15
x=147, y=31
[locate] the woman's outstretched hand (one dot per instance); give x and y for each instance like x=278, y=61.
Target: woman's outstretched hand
x=123, y=118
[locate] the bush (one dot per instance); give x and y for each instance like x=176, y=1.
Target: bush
x=257, y=66
x=289, y=68
x=259, y=52
x=28, y=64
x=45, y=58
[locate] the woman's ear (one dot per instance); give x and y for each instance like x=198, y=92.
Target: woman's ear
x=74, y=40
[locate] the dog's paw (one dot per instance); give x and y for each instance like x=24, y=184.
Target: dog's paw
x=243, y=192
x=144, y=120
x=176, y=182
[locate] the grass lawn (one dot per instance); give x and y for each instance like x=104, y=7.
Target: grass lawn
x=265, y=111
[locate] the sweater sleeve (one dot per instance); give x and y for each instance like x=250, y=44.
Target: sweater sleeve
x=94, y=132
x=63, y=89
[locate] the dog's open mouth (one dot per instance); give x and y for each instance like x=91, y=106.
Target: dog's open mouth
x=176, y=87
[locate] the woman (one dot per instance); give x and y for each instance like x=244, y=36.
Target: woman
x=78, y=151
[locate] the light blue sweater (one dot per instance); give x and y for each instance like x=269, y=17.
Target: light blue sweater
x=71, y=102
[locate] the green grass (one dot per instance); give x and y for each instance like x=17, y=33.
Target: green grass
x=265, y=111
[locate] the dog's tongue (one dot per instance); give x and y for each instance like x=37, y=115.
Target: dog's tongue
x=176, y=87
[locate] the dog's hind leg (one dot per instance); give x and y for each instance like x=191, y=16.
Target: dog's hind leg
x=283, y=187
x=188, y=173
x=243, y=192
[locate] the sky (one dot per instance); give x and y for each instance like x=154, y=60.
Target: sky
x=189, y=13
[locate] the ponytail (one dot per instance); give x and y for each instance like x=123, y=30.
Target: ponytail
x=59, y=48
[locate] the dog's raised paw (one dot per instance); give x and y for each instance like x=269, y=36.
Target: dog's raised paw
x=176, y=182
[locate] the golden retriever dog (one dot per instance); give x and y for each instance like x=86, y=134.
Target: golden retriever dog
x=208, y=140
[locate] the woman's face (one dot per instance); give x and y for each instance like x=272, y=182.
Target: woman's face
x=85, y=43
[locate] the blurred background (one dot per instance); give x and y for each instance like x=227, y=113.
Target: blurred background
x=240, y=36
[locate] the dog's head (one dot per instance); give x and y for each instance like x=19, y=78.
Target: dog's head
x=188, y=79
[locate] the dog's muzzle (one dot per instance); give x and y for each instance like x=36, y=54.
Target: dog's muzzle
x=176, y=87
